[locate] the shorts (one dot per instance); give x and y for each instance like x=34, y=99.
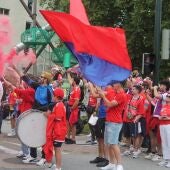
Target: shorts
x=111, y=134
x=57, y=144
x=126, y=130
x=13, y=114
x=131, y=129
x=100, y=128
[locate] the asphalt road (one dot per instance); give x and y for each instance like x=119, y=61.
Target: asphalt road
x=75, y=157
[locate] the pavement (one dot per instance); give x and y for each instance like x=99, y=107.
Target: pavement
x=75, y=157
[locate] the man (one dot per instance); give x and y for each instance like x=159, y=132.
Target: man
x=115, y=102
x=73, y=114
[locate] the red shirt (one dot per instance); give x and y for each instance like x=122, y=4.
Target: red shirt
x=74, y=95
x=114, y=114
x=135, y=107
x=27, y=96
x=165, y=111
x=92, y=101
x=60, y=127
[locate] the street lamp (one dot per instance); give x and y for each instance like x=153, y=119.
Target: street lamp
x=157, y=39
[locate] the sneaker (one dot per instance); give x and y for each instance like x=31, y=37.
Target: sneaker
x=126, y=153
x=12, y=133
x=29, y=160
x=97, y=160
x=93, y=142
x=109, y=167
x=119, y=167
x=20, y=154
x=149, y=156
x=49, y=165
x=104, y=163
x=156, y=158
x=41, y=162
x=26, y=157
x=167, y=165
x=163, y=163
x=136, y=153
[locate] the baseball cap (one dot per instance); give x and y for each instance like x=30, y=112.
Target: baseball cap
x=58, y=92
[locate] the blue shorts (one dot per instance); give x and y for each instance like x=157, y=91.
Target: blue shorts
x=111, y=134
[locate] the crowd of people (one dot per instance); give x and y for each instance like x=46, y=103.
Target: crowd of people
x=134, y=112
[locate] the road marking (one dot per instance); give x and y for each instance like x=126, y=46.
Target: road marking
x=8, y=151
x=17, y=144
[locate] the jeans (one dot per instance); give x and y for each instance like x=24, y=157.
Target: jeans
x=25, y=149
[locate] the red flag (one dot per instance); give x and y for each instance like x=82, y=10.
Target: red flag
x=78, y=11
x=101, y=51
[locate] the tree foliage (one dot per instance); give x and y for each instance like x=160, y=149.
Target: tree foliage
x=135, y=16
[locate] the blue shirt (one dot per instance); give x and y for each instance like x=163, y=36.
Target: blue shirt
x=102, y=110
x=42, y=94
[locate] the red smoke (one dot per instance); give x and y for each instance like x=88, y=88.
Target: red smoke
x=12, y=57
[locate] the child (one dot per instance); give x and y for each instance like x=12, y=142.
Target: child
x=56, y=128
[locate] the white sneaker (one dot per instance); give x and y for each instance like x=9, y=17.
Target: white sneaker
x=136, y=153
x=127, y=153
x=41, y=162
x=119, y=167
x=20, y=154
x=156, y=158
x=149, y=156
x=163, y=163
x=109, y=167
x=167, y=165
x=29, y=160
x=26, y=157
x=12, y=133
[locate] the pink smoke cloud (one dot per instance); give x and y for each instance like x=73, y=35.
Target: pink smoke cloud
x=5, y=31
x=11, y=57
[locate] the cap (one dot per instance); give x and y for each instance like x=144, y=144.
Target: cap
x=47, y=75
x=58, y=92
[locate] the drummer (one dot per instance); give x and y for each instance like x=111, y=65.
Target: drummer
x=43, y=97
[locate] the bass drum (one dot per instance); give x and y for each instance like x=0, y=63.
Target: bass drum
x=31, y=128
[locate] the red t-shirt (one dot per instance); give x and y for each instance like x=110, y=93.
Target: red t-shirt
x=165, y=111
x=135, y=107
x=60, y=128
x=75, y=94
x=128, y=98
x=92, y=101
x=27, y=96
x=114, y=114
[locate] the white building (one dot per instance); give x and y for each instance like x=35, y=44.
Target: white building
x=20, y=20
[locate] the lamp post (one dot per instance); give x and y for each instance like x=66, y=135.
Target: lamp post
x=157, y=39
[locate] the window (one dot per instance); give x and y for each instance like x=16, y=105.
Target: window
x=28, y=25
x=4, y=11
